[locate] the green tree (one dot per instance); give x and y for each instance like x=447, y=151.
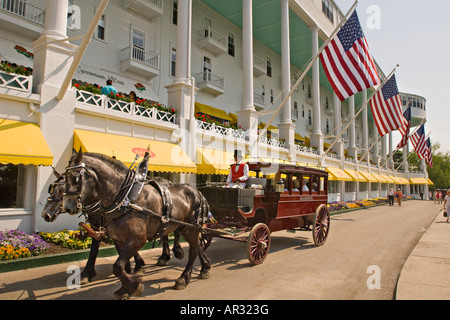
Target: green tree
x=440, y=173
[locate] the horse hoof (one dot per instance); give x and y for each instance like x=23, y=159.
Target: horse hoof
x=204, y=275
x=138, y=292
x=121, y=294
x=161, y=262
x=179, y=254
x=138, y=272
x=180, y=284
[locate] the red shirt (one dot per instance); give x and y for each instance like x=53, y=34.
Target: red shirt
x=240, y=172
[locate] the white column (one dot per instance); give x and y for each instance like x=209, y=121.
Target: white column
x=56, y=26
x=352, y=150
x=337, y=105
x=376, y=149
x=247, y=59
x=285, y=61
x=183, y=46
x=316, y=137
x=247, y=116
x=365, y=128
x=287, y=128
x=383, y=149
x=391, y=150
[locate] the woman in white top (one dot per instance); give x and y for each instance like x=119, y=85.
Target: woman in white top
x=447, y=203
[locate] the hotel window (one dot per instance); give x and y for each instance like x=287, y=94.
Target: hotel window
x=231, y=44
x=269, y=67
x=303, y=111
x=173, y=59
x=309, y=117
x=175, y=12
x=327, y=129
x=101, y=28
x=138, y=45
x=327, y=9
x=12, y=186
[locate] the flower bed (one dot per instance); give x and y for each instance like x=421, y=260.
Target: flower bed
x=340, y=205
x=16, y=244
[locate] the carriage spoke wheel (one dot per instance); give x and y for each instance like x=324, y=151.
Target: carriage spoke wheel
x=321, y=225
x=258, y=243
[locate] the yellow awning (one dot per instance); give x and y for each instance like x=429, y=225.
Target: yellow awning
x=299, y=137
x=218, y=113
x=400, y=180
x=210, y=161
x=430, y=182
x=165, y=157
x=337, y=174
x=370, y=177
x=418, y=181
x=388, y=179
x=261, y=125
x=355, y=175
x=23, y=143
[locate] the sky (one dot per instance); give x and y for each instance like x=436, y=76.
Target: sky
x=415, y=35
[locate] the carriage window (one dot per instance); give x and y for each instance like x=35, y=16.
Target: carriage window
x=322, y=185
x=306, y=188
x=12, y=186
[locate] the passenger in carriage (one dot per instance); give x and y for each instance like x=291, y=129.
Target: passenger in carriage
x=305, y=187
x=239, y=172
x=295, y=185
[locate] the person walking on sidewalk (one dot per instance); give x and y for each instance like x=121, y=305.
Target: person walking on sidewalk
x=391, y=194
x=399, y=196
x=447, y=204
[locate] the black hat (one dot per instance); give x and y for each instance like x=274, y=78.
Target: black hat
x=238, y=153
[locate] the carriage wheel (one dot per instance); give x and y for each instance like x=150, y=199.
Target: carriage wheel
x=321, y=225
x=206, y=240
x=258, y=243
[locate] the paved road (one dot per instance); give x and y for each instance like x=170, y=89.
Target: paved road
x=294, y=269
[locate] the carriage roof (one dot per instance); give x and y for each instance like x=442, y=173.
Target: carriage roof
x=266, y=167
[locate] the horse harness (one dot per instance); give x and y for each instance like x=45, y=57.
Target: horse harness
x=125, y=201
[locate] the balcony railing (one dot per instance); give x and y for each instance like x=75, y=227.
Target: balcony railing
x=140, y=61
x=214, y=129
x=307, y=150
x=210, y=82
x=15, y=81
x=102, y=102
x=213, y=41
x=24, y=9
x=272, y=142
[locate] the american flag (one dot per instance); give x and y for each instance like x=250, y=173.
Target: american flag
x=429, y=154
x=418, y=142
x=347, y=61
x=404, y=130
x=386, y=108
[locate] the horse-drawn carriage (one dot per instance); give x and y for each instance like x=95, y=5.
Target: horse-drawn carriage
x=134, y=210
x=278, y=197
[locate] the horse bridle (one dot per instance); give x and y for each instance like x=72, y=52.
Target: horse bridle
x=83, y=170
x=97, y=205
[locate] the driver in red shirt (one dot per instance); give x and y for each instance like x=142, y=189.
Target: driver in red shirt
x=238, y=175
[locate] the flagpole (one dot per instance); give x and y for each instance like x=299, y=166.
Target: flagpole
x=392, y=153
x=407, y=106
x=410, y=154
x=364, y=105
x=309, y=66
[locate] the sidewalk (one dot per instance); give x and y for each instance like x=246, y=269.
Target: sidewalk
x=426, y=273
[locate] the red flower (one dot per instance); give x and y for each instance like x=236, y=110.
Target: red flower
x=76, y=85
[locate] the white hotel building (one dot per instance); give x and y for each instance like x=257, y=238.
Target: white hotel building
x=226, y=59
